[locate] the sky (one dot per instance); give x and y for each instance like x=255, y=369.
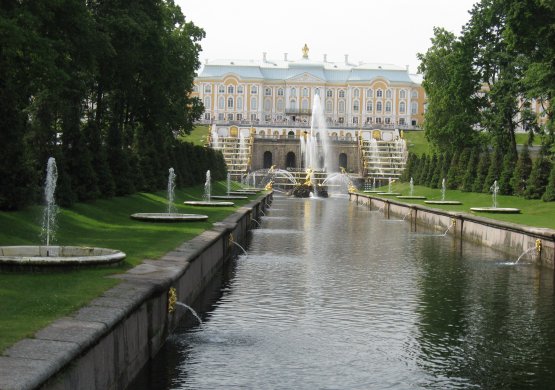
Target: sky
x=384, y=31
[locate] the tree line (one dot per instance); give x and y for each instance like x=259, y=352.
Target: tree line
x=104, y=87
x=485, y=84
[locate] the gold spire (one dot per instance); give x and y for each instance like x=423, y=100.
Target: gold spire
x=305, y=51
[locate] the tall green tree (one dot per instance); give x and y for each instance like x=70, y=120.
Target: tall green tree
x=522, y=171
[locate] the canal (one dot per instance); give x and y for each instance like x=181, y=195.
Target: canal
x=333, y=296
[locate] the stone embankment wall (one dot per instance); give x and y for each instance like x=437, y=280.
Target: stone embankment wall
x=509, y=238
x=106, y=343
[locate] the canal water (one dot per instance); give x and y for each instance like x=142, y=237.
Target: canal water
x=333, y=296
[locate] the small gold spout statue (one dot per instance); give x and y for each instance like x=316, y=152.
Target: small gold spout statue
x=172, y=299
x=538, y=246
x=269, y=186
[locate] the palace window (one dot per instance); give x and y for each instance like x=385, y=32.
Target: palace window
x=329, y=105
x=221, y=103
x=293, y=92
x=317, y=91
x=356, y=106
x=368, y=119
x=267, y=105
x=341, y=93
x=369, y=93
x=304, y=105
x=378, y=120
x=221, y=89
x=292, y=104
x=240, y=89
x=239, y=117
x=305, y=91
x=229, y=117
x=239, y=103
x=413, y=108
x=403, y=94
x=254, y=90
x=207, y=88
x=254, y=103
x=329, y=93
x=388, y=106
x=401, y=121
x=355, y=120
x=402, y=107
x=221, y=116
x=341, y=106
x=387, y=121
x=414, y=94
x=280, y=92
x=379, y=106
x=230, y=102
x=268, y=91
x=207, y=116
x=230, y=89
x=356, y=92
x=379, y=93
x=280, y=105
x=207, y=103
x=369, y=106
x=254, y=117
x=388, y=94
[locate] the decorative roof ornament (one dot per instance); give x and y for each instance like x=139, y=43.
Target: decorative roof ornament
x=305, y=51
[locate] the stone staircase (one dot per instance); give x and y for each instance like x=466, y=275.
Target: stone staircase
x=383, y=159
x=237, y=152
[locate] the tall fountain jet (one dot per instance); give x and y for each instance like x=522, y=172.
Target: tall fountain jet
x=50, y=209
x=316, y=147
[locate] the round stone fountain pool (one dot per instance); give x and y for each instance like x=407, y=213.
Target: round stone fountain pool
x=37, y=256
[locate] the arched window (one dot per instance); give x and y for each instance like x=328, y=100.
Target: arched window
x=207, y=88
x=207, y=103
x=292, y=104
x=403, y=94
x=221, y=103
x=290, y=158
x=379, y=93
x=254, y=103
x=414, y=94
x=402, y=107
x=239, y=103
x=379, y=106
x=305, y=91
x=268, y=91
x=240, y=89
x=267, y=160
x=342, y=160
x=329, y=105
x=267, y=104
x=221, y=89
x=369, y=106
x=293, y=92
x=305, y=105
x=369, y=93
x=262, y=133
x=341, y=93
x=388, y=106
x=291, y=134
x=356, y=106
x=280, y=92
x=230, y=89
x=413, y=108
x=230, y=102
x=329, y=93
x=254, y=90
x=280, y=105
x=388, y=94
x=341, y=106
x=317, y=91
x=356, y=92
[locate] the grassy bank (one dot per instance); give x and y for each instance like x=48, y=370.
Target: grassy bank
x=533, y=212
x=29, y=301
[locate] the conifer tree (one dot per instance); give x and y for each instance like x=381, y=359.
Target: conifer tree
x=539, y=176
x=522, y=171
x=453, y=174
x=507, y=171
x=470, y=171
x=481, y=172
x=494, y=169
x=549, y=194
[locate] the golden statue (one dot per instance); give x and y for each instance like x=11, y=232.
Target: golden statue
x=305, y=51
x=269, y=186
x=308, y=181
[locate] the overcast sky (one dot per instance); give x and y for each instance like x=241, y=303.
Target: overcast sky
x=384, y=31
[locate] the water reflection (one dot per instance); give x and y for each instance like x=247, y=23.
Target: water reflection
x=330, y=297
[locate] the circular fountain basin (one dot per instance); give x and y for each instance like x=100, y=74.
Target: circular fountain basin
x=58, y=256
x=242, y=193
x=169, y=217
x=250, y=189
x=371, y=192
x=442, y=202
x=230, y=197
x=411, y=197
x=208, y=204
x=388, y=193
x=498, y=210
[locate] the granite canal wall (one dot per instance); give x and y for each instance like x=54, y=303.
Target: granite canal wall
x=509, y=238
x=104, y=344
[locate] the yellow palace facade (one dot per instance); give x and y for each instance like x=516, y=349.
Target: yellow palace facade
x=269, y=94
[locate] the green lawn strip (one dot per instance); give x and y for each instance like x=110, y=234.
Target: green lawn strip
x=417, y=142
x=533, y=212
x=31, y=300
x=199, y=135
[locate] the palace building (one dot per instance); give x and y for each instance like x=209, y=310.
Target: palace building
x=269, y=104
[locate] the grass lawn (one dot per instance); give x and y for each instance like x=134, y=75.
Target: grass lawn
x=533, y=212
x=199, y=135
x=29, y=301
x=417, y=142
